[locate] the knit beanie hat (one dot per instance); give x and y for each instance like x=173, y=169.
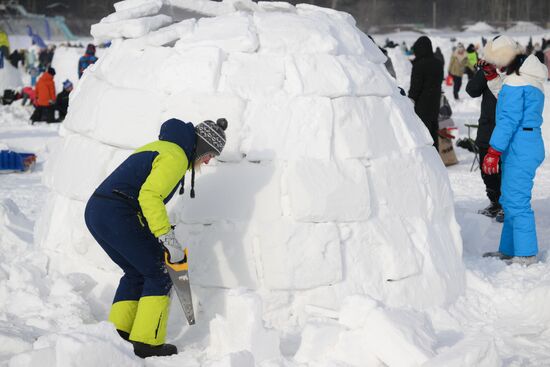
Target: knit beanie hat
x=210, y=137
x=210, y=140
x=501, y=50
x=67, y=84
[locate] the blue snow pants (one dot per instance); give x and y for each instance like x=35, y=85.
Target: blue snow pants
x=519, y=164
x=126, y=238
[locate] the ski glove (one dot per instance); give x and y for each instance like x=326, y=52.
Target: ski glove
x=489, y=70
x=170, y=243
x=490, y=162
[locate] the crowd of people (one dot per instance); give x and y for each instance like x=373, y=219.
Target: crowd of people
x=40, y=91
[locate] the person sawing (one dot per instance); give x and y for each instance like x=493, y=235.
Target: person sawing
x=127, y=216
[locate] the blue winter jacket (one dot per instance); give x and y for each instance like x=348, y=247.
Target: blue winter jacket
x=520, y=103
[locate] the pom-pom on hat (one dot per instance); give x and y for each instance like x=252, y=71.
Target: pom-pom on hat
x=501, y=51
x=210, y=137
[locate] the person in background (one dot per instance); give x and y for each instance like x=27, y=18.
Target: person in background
x=476, y=87
x=425, y=89
x=457, y=65
x=34, y=73
x=537, y=51
x=45, y=97
x=439, y=55
x=517, y=140
x=127, y=216
x=16, y=57
x=62, y=100
x=4, y=43
x=471, y=52
x=88, y=59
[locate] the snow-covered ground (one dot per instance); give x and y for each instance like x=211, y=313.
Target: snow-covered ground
x=52, y=305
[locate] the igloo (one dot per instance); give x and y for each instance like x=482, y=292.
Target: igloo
x=328, y=201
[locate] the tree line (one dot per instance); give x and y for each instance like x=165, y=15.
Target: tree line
x=384, y=15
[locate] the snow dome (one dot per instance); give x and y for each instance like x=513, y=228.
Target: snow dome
x=328, y=203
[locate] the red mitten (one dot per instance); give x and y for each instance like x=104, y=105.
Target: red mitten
x=490, y=162
x=489, y=70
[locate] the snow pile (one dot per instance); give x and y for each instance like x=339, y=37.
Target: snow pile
x=479, y=27
x=306, y=208
x=525, y=27
x=10, y=78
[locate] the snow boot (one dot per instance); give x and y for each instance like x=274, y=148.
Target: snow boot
x=500, y=216
x=143, y=350
x=123, y=334
x=521, y=260
x=491, y=211
x=497, y=254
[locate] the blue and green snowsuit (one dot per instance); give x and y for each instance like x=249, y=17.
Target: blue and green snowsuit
x=518, y=137
x=126, y=214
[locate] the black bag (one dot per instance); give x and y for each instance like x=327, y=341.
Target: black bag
x=9, y=96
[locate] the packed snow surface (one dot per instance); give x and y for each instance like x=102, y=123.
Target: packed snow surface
x=325, y=235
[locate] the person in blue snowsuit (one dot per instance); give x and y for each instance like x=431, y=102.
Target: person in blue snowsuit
x=88, y=59
x=517, y=140
x=127, y=216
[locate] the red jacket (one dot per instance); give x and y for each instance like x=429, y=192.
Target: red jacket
x=45, y=90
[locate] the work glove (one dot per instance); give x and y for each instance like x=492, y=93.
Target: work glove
x=490, y=162
x=170, y=243
x=489, y=70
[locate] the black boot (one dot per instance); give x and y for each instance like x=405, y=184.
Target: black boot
x=491, y=211
x=123, y=334
x=143, y=350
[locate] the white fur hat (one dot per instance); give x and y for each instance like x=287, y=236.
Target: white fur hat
x=501, y=50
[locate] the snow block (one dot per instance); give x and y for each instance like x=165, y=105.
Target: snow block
x=143, y=73
x=299, y=256
x=197, y=70
x=397, y=337
x=128, y=118
x=343, y=29
x=163, y=36
x=232, y=33
x=131, y=28
x=282, y=127
x=241, y=329
x=367, y=78
x=383, y=266
x=388, y=175
x=281, y=33
x=316, y=74
x=318, y=341
x=362, y=128
x=233, y=192
x=221, y=254
x=140, y=10
x=82, y=115
x=327, y=191
x=72, y=165
x=197, y=107
x=253, y=75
